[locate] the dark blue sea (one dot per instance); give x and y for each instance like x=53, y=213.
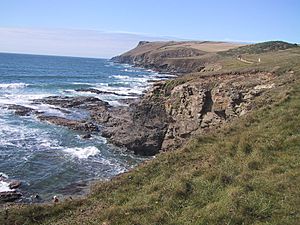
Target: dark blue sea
x=53, y=160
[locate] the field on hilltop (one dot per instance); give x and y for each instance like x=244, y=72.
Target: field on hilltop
x=174, y=57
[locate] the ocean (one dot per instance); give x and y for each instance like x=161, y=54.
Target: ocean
x=53, y=160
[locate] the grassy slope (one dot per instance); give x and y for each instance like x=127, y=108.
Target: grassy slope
x=260, y=48
x=246, y=173
x=156, y=47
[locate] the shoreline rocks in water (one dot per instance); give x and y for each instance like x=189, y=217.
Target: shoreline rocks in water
x=10, y=196
x=71, y=102
x=166, y=115
x=21, y=110
x=8, y=192
x=96, y=91
x=72, y=124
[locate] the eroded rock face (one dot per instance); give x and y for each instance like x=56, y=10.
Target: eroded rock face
x=140, y=127
x=209, y=102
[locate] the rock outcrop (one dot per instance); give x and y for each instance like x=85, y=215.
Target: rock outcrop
x=207, y=103
x=140, y=127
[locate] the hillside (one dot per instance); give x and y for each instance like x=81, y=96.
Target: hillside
x=230, y=154
x=174, y=57
x=269, y=46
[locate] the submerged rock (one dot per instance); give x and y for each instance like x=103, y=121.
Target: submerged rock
x=21, y=110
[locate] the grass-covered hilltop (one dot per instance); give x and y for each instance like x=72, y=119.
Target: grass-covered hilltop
x=226, y=134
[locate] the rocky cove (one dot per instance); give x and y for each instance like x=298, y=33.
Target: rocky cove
x=166, y=116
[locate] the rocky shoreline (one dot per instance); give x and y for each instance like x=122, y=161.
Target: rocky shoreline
x=166, y=116
x=10, y=191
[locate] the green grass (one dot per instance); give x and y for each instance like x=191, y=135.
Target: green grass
x=248, y=172
x=269, y=46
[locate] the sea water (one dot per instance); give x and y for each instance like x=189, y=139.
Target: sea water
x=53, y=160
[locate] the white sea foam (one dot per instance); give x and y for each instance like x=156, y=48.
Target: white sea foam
x=116, y=103
x=48, y=109
x=16, y=134
x=82, y=153
x=134, y=79
x=3, y=175
x=121, y=77
x=125, y=65
x=13, y=85
x=4, y=186
x=91, y=84
x=20, y=98
x=130, y=70
x=123, y=90
x=26, y=100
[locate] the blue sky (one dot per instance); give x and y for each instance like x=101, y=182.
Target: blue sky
x=231, y=20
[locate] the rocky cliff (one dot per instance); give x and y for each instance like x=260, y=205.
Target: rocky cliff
x=174, y=110
x=206, y=103
x=194, y=103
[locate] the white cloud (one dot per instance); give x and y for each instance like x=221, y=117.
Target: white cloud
x=88, y=43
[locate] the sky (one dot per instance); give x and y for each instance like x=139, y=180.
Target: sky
x=103, y=28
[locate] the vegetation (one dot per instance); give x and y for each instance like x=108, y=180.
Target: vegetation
x=263, y=47
x=248, y=172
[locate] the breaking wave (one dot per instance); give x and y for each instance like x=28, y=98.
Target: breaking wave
x=13, y=86
x=82, y=153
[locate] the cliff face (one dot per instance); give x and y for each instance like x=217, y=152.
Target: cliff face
x=206, y=103
x=175, y=110
x=174, y=57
